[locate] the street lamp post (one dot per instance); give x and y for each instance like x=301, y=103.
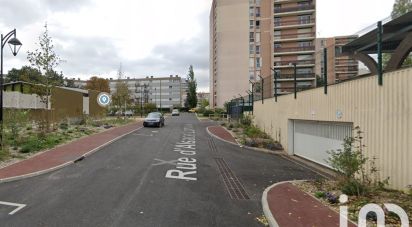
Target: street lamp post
x=15, y=46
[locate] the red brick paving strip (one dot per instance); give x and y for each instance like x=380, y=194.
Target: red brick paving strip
x=65, y=153
x=293, y=208
x=222, y=133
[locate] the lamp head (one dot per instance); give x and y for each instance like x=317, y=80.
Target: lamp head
x=15, y=45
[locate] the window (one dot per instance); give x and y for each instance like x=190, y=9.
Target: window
x=170, y=87
x=305, y=44
x=305, y=3
x=304, y=19
x=258, y=37
x=251, y=37
x=304, y=71
x=257, y=24
x=277, y=45
x=258, y=62
x=251, y=11
x=251, y=62
x=277, y=7
x=277, y=34
x=251, y=75
x=170, y=99
x=251, y=24
x=257, y=49
x=277, y=21
x=257, y=11
x=251, y=49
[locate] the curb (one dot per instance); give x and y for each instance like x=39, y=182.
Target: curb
x=280, y=153
x=265, y=205
x=15, y=178
x=243, y=146
x=217, y=137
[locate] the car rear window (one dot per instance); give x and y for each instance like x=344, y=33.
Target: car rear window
x=154, y=115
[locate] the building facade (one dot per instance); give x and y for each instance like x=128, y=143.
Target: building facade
x=252, y=39
x=229, y=50
x=164, y=92
x=339, y=67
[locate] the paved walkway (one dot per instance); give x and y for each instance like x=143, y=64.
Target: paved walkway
x=64, y=154
x=222, y=133
x=292, y=207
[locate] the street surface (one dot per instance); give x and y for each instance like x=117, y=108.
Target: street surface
x=173, y=176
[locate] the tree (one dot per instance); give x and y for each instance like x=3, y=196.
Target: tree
x=192, y=85
x=98, y=84
x=46, y=60
x=400, y=7
x=26, y=74
x=122, y=95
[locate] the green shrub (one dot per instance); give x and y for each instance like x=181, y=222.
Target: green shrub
x=206, y=113
x=64, y=126
x=320, y=194
x=353, y=187
x=252, y=132
x=246, y=120
x=4, y=154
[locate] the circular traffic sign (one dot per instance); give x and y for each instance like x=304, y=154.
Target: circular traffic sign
x=103, y=99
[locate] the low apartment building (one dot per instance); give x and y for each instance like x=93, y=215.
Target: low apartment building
x=165, y=92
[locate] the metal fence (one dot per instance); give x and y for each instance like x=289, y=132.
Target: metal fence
x=237, y=106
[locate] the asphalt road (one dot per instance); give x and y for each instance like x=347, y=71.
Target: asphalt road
x=127, y=183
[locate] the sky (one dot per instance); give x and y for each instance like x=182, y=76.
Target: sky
x=147, y=38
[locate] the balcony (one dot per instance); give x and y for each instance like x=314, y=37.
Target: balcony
x=294, y=23
x=294, y=37
x=299, y=63
x=293, y=10
x=299, y=76
x=294, y=50
x=345, y=62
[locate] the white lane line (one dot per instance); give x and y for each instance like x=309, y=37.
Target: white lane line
x=18, y=205
x=137, y=134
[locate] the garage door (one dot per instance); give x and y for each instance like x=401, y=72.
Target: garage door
x=312, y=139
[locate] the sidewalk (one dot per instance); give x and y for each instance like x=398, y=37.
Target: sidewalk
x=285, y=205
x=64, y=155
x=221, y=133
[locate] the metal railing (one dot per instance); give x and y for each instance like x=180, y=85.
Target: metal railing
x=295, y=35
x=294, y=9
x=293, y=49
x=298, y=62
x=294, y=22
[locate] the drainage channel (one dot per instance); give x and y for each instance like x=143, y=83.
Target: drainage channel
x=232, y=183
x=212, y=145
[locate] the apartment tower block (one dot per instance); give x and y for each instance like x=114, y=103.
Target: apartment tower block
x=251, y=39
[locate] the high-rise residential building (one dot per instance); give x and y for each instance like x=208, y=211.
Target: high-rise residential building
x=164, y=92
x=250, y=39
x=339, y=67
x=229, y=50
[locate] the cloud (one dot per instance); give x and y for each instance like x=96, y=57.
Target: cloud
x=22, y=13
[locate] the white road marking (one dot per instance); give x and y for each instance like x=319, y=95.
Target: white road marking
x=155, y=131
x=162, y=162
x=137, y=134
x=18, y=205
